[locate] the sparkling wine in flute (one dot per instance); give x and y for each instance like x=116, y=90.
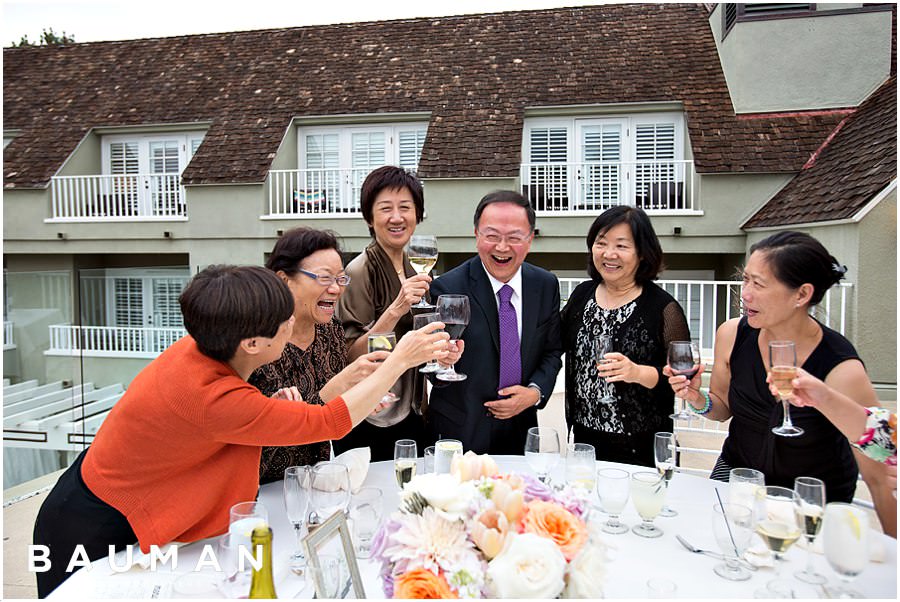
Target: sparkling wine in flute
x=666, y=470
x=423, y=265
x=781, y=379
x=404, y=470
x=779, y=536
x=783, y=365
x=810, y=519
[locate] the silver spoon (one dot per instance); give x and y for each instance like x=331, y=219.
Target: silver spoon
x=688, y=546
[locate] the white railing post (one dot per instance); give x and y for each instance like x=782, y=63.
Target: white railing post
x=107, y=197
x=111, y=341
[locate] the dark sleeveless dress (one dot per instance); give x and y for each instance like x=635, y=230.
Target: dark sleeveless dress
x=821, y=451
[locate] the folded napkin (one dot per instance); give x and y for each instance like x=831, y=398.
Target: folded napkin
x=357, y=462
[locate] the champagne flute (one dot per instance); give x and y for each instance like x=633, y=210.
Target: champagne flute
x=777, y=525
x=454, y=312
x=845, y=533
x=422, y=251
x=542, y=451
x=733, y=528
x=664, y=456
x=648, y=492
x=603, y=344
x=405, y=454
x=809, y=505
x=420, y=320
x=296, y=506
x=783, y=365
x=612, y=488
x=383, y=341
x=330, y=490
x=684, y=357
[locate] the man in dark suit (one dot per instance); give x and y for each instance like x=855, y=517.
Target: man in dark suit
x=512, y=343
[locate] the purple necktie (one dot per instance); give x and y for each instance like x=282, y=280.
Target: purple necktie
x=510, y=358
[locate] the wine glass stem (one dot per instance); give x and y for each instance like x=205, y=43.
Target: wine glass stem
x=298, y=531
x=787, y=412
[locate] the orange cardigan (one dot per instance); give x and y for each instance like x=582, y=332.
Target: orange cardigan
x=183, y=444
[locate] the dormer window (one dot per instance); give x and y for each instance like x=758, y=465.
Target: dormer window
x=733, y=12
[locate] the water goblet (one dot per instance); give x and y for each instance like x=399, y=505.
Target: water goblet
x=423, y=254
x=383, y=341
x=664, y=456
x=783, y=366
x=444, y=452
x=454, y=311
x=405, y=455
x=648, y=492
x=845, y=533
x=747, y=487
x=542, y=451
x=325, y=582
x=809, y=506
x=365, y=513
x=684, y=357
x=428, y=460
x=236, y=573
x=420, y=320
x=733, y=528
x=329, y=490
x=612, y=488
x=603, y=344
x=581, y=466
x=243, y=517
x=296, y=506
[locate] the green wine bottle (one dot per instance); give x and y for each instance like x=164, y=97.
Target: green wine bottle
x=262, y=584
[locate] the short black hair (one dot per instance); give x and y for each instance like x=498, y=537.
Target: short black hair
x=505, y=196
x=796, y=258
x=297, y=244
x=645, y=240
x=225, y=304
x=391, y=178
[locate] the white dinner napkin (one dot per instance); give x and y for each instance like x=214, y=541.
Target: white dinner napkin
x=357, y=462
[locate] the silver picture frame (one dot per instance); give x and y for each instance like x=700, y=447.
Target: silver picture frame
x=334, y=526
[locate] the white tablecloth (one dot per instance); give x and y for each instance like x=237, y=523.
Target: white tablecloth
x=636, y=559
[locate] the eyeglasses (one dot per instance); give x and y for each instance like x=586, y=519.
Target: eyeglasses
x=514, y=239
x=326, y=279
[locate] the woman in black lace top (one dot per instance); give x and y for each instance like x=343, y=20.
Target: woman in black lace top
x=621, y=300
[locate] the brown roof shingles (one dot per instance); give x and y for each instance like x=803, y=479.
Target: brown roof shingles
x=474, y=74
x=857, y=163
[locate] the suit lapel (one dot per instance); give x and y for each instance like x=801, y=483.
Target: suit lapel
x=529, y=313
x=482, y=299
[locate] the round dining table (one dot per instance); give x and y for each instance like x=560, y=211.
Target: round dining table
x=633, y=560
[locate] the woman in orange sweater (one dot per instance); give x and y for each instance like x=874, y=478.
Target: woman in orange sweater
x=183, y=444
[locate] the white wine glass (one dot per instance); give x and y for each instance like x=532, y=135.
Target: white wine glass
x=454, y=311
x=422, y=251
x=684, y=359
x=612, y=488
x=420, y=320
x=383, y=341
x=809, y=506
x=405, y=455
x=330, y=490
x=733, y=528
x=648, y=492
x=845, y=533
x=603, y=344
x=664, y=457
x=783, y=365
x=296, y=506
x=777, y=524
x=542, y=451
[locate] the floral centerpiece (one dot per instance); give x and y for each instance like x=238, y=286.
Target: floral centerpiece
x=476, y=533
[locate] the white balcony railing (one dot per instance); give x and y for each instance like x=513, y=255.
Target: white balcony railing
x=327, y=192
x=118, y=197
x=564, y=188
x=111, y=341
x=708, y=303
x=8, y=340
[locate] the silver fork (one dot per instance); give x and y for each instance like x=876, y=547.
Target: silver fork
x=691, y=548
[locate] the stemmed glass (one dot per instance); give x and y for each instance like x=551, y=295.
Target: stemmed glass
x=383, y=341
x=612, y=488
x=365, y=512
x=420, y=320
x=581, y=466
x=733, y=528
x=746, y=487
x=296, y=505
x=648, y=492
x=603, y=344
x=683, y=359
x=783, y=365
x=330, y=490
x=777, y=523
x=542, y=451
x=454, y=312
x=809, y=506
x=423, y=254
x=405, y=454
x=845, y=533
x=664, y=456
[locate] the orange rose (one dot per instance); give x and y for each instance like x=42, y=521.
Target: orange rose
x=556, y=523
x=422, y=584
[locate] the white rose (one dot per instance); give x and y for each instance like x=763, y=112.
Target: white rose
x=444, y=493
x=531, y=566
x=584, y=575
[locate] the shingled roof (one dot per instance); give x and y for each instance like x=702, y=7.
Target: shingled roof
x=474, y=74
x=858, y=160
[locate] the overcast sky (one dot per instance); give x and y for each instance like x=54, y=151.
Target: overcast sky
x=98, y=20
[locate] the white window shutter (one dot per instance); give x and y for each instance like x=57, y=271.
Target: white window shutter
x=410, y=144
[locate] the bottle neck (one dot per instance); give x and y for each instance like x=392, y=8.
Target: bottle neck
x=262, y=584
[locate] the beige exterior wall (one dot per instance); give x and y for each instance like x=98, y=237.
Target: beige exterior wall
x=792, y=64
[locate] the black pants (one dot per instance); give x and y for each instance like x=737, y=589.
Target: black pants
x=72, y=515
x=615, y=447
x=381, y=438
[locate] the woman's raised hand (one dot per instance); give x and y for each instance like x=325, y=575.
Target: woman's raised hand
x=682, y=386
x=411, y=290
x=363, y=366
x=806, y=389
x=419, y=346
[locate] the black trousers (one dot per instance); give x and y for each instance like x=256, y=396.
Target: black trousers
x=616, y=447
x=72, y=515
x=381, y=438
